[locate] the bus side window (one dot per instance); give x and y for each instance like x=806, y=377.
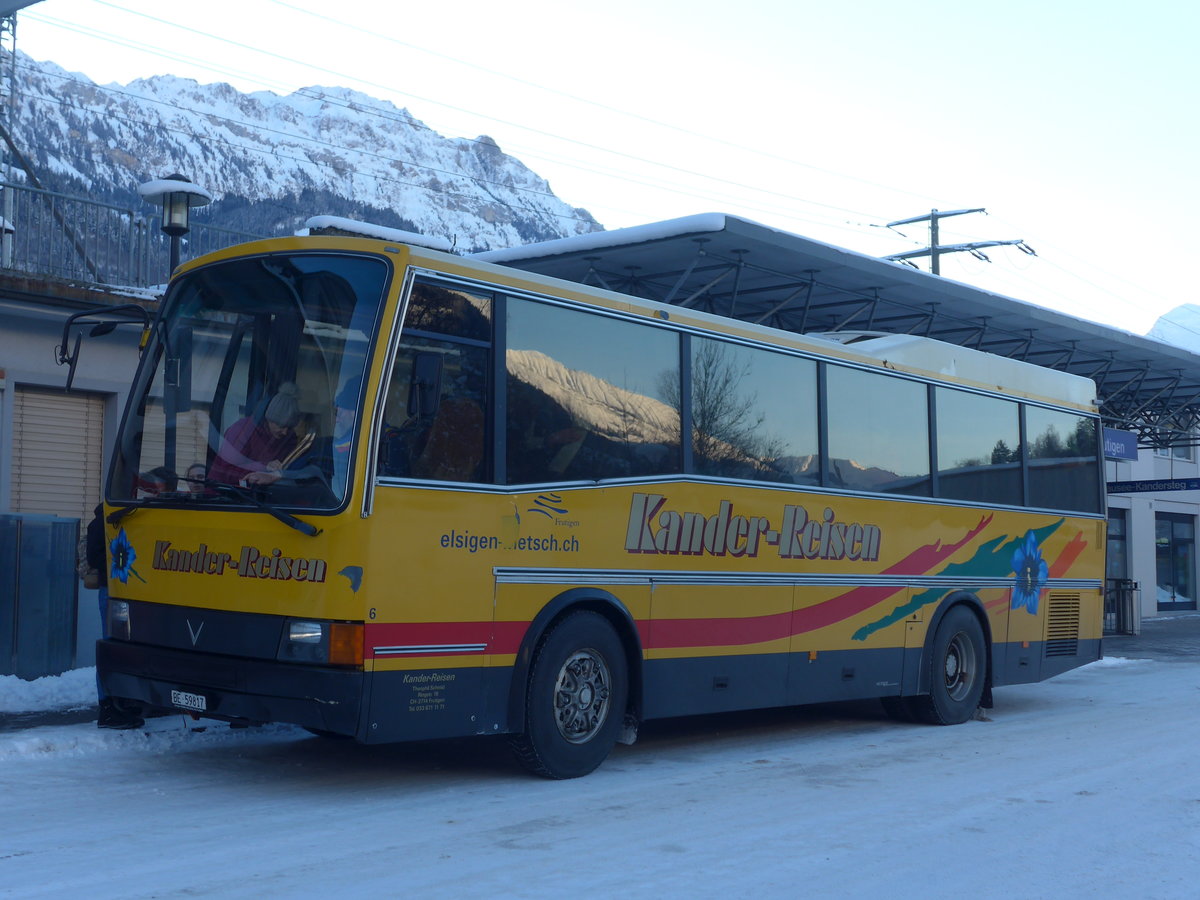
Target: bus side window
x=442, y=440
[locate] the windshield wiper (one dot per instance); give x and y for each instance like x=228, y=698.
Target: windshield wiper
x=118, y=514
x=157, y=500
x=242, y=494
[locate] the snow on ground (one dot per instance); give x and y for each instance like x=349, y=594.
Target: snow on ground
x=1082, y=786
x=70, y=690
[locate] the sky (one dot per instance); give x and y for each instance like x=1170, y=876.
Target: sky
x=1079, y=787
x=1071, y=122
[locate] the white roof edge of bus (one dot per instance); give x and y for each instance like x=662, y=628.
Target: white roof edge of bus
x=917, y=353
x=366, y=229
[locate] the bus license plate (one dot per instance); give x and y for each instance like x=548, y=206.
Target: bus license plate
x=184, y=700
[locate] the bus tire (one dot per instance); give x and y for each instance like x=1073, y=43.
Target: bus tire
x=575, y=698
x=958, y=667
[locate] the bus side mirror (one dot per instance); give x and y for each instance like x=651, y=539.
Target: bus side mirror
x=425, y=389
x=70, y=358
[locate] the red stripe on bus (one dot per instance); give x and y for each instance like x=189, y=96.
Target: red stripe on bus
x=505, y=637
x=666, y=633
x=496, y=637
x=1067, y=558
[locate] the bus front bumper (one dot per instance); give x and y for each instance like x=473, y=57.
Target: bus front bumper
x=233, y=689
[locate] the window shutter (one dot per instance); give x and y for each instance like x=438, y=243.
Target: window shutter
x=58, y=452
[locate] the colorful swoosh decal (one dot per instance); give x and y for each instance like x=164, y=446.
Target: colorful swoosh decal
x=992, y=559
x=698, y=632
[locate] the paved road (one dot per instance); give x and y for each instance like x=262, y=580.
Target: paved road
x=1169, y=638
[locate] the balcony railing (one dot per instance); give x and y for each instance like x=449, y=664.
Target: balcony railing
x=62, y=236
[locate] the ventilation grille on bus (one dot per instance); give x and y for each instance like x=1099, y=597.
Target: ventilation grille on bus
x=1062, y=625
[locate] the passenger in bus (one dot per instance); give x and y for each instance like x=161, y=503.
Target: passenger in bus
x=259, y=445
x=159, y=480
x=446, y=444
x=326, y=460
x=195, y=477
x=453, y=444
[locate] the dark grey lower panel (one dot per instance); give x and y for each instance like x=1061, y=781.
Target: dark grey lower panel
x=234, y=689
x=693, y=686
x=418, y=705
x=1017, y=664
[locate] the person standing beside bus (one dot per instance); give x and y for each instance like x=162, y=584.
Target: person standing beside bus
x=111, y=715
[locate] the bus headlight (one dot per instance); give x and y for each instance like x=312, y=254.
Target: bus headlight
x=330, y=643
x=118, y=619
x=305, y=632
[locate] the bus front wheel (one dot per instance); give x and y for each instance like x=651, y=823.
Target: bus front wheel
x=957, y=669
x=575, y=698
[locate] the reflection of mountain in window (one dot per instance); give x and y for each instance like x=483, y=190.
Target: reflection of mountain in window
x=568, y=424
x=584, y=396
x=878, y=432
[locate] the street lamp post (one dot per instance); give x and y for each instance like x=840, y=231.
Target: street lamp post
x=177, y=196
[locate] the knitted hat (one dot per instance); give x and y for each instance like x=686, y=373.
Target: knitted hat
x=284, y=409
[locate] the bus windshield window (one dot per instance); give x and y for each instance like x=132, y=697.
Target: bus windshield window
x=253, y=379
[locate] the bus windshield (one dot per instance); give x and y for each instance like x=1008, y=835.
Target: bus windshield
x=251, y=385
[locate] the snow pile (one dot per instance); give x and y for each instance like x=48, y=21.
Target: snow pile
x=70, y=690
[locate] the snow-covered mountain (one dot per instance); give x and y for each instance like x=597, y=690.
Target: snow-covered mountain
x=1180, y=326
x=273, y=161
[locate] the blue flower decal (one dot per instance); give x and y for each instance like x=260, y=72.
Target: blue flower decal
x=1032, y=574
x=123, y=556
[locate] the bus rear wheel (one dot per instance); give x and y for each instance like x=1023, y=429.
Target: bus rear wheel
x=958, y=666
x=575, y=698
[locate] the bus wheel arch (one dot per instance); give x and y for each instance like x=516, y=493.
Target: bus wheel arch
x=565, y=604
x=576, y=696
x=956, y=665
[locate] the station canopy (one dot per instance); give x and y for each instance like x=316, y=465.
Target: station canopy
x=734, y=267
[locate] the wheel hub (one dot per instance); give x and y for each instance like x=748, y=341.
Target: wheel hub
x=581, y=696
x=960, y=667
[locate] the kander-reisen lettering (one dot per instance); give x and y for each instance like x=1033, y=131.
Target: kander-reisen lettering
x=250, y=563
x=656, y=529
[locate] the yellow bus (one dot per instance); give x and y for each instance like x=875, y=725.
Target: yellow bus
x=382, y=491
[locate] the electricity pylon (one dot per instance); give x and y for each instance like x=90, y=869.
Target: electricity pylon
x=935, y=250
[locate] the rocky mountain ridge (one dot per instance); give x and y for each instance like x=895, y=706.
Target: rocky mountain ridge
x=273, y=161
